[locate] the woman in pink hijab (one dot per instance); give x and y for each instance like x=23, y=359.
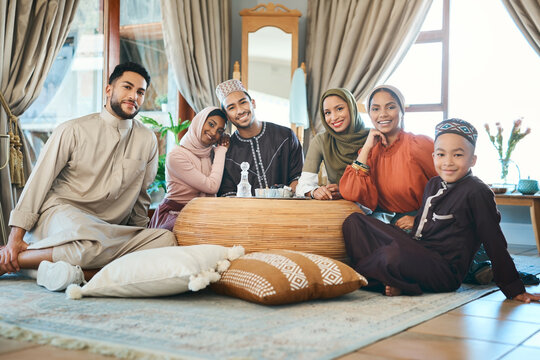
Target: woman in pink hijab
x=190, y=170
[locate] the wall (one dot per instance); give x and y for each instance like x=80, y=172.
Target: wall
x=516, y=224
x=236, y=26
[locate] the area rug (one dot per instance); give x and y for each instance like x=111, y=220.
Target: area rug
x=204, y=325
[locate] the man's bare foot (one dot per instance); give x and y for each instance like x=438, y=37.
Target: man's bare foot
x=391, y=291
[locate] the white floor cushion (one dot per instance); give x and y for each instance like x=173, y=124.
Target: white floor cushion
x=159, y=272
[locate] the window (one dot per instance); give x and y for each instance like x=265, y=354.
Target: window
x=490, y=75
x=75, y=84
x=141, y=41
x=422, y=75
x=73, y=87
x=494, y=77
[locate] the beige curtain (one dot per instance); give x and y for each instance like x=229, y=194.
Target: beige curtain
x=526, y=15
x=353, y=43
x=31, y=34
x=197, y=36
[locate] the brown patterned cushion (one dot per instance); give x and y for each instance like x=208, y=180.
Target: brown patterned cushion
x=283, y=276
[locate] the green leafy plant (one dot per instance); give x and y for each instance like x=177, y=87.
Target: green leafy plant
x=175, y=128
x=159, y=181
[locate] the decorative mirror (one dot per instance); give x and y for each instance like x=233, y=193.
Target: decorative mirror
x=269, y=58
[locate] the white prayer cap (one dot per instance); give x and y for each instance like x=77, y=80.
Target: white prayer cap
x=225, y=88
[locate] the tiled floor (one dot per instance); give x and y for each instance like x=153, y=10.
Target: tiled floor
x=488, y=328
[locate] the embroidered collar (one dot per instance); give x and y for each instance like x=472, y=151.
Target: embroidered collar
x=256, y=137
x=427, y=206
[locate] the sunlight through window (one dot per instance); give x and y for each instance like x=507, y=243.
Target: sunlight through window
x=494, y=76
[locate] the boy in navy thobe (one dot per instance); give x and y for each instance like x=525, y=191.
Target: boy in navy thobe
x=458, y=214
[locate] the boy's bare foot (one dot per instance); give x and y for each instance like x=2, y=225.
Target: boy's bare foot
x=391, y=291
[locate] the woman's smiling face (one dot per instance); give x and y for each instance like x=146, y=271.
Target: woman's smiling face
x=212, y=130
x=336, y=113
x=385, y=113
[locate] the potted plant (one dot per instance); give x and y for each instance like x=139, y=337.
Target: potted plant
x=176, y=129
x=161, y=102
x=159, y=185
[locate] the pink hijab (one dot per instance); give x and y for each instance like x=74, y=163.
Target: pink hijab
x=192, y=139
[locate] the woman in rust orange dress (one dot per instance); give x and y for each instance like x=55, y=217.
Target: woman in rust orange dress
x=393, y=167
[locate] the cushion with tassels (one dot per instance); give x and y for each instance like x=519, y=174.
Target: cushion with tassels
x=159, y=272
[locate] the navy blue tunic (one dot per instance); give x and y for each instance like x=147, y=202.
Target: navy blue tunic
x=274, y=156
x=453, y=221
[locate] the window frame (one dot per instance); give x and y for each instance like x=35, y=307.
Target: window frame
x=112, y=52
x=442, y=36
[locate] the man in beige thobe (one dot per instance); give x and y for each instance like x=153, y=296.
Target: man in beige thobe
x=85, y=202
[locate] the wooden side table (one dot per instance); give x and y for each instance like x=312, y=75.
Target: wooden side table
x=532, y=201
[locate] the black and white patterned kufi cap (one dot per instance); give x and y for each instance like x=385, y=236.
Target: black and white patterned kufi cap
x=459, y=127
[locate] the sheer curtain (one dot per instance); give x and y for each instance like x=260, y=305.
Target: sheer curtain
x=526, y=15
x=196, y=34
x=353, y=43
x=32, y=32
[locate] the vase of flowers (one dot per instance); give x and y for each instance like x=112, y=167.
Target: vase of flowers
x=497, y=140
x=509, y=167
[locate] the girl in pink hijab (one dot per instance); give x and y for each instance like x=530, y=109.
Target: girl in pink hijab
x=190, y=170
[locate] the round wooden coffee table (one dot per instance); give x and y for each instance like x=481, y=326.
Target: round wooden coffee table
x=311, y=226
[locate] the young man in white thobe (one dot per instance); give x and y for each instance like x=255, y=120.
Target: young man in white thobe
x=85, y=203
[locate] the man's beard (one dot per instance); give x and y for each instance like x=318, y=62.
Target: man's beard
x=116, y=106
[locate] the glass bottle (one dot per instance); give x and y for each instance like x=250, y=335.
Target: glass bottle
x=243, y=188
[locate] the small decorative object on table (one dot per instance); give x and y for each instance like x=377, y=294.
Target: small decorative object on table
x=497, y=140
x=275, y=191
x=527, y=186
x=498, y=189
x=243, y=189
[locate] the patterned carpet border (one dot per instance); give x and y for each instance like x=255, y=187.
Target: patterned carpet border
x=207, y=326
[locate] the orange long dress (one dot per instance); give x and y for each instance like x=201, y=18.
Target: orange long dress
x=398, y=175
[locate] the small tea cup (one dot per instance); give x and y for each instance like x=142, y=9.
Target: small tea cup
x=272, y=193
x=280, y=193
